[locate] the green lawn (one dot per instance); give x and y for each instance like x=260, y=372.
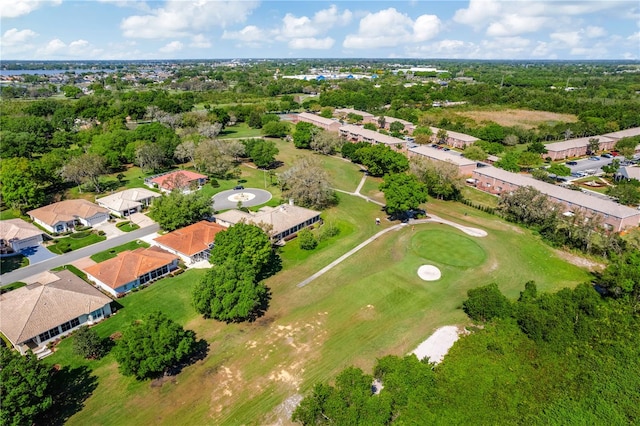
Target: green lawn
x=370, y=305
x=240, y=130
x=127, y=226
x=479, y=197
x=111, y=253
x=75, y=241
x=12, y=286
x=8, y=264
x=9, y=214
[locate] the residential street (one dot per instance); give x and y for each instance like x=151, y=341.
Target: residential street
x=22, y=273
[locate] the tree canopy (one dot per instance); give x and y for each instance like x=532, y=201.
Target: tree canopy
x=177, y=209
x=402, y=192
x=149, y=347
x=307, y=183
x=24, y=386
x=381, y=160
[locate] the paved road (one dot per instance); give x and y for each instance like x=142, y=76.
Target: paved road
x=221, y=200
x=22, y=273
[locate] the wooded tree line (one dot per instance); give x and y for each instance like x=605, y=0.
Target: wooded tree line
x=567, y=357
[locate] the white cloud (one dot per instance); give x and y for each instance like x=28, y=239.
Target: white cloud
x=80, y=49
x=174, y=46
x=297, y=27
x=199, y=41
x=635, y=37
x=182, y=18
x=443, y=48
x=15, y=8
x=478, y=12
x=249, y=36
x=568, y=38
x=15, y=37
x=133, y=4
x=595, y=32
x=312, y=43
x=294, y=27
x=515, y=24
x=389, y=28
x=329, y=18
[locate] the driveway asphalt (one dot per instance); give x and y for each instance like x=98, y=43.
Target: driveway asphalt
x=258, y=196
x=23, y=273
x=37, y=254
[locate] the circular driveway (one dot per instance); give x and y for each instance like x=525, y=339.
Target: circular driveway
x=249, y=197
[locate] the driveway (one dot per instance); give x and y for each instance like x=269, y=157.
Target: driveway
x=142, y=220
x=37, y=254
x=109, y=228
x=249, y=197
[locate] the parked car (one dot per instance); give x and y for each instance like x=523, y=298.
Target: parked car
x=606, y=156
x=594, y=158
x=571, y=163
x=237, y=188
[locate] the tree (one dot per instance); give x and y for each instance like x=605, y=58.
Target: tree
x=381, y=160
x=396, y=127
x=247, y=244
x=185, y=151
x=537, y=147
x=275, y=129
x=627, y=147
x=326, y=142
x=303, y=134
x=87, y=343
x=622, y=275
x=442, y=136
x=511, y=140
x=18, y=184
x=369, y=126
x=612, y=168
x=25, y=385
x=326, y=112
x=559, y=169
x=307, y=182
x=86, y=168
x=307, y=240
x=593, y=146
x=381, y=121
x=626, y=192
x=229, y=292
x=177, y=209
x=149, y=347
x=402, y=192
x=526, y=160
x=475, y=153
x=509, y=162
x=150, y=157
x=442, y=179
x=262, y=152
x=210, y=157
x=529, y=206
x=485, y=303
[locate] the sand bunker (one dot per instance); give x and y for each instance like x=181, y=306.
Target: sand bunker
x=429, y=273
x=438, y=344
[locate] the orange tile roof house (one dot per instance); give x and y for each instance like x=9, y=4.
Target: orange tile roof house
x=131, y=269
x=184, y=180
x=63, y=215
x=60, y=302
x=192, y=243
x=16, y=234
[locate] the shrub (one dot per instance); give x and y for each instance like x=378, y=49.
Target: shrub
x=87, y=343
x=307, y=240
x=485, y=303
x=327, y=232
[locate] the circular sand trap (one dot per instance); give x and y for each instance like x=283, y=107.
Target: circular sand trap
x=429, y=273
x=242, y=196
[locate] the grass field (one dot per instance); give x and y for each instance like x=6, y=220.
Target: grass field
x=371, y=305
x=127, y=226
x=240, y=130
x=75, y=242
x=111, y=253
x=518, y=117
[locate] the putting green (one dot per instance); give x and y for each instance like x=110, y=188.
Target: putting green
x=448, y=247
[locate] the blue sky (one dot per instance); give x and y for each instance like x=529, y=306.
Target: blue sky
x=208, y=29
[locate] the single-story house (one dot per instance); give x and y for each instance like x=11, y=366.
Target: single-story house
x=65, y=215
x=282, y=222
x=409, y=127
x=130, y=269
x=576, y=147
x=16, y=234
x=129, y=201
x=57, y=304
x=454, y=139
x=324, y=123
x=192, y=243
x=464, y=165
x=627, y=133
x=615, y=217
x=628, y=173
x=184, y=180
x=354, y=133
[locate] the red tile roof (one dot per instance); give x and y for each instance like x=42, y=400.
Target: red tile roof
x=129, y=265
x=181, y=179
x=191, y=239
